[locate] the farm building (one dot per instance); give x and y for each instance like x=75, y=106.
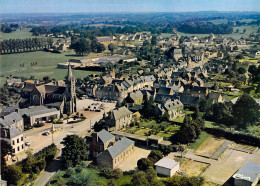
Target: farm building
x=166, y=167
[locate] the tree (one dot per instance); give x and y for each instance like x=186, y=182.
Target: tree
x=241, y=70
x=148, y=109
x=154, y=40
x=74, y=151
x=139, y=179
x=6, y=150
x=155, y=155
x=82, y=47
x=144, y=163
x=244, y=31
x=112, y=47
x=237, y=30
x=151, y=175
x=246, y=111
x=13, y=174
x=46, y=79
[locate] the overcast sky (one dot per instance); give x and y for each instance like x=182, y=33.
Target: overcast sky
x=74, y=6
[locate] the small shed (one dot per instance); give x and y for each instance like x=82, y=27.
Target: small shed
x=166, y=167
x=248, y=175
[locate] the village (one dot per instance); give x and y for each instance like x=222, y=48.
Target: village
x=166, y=105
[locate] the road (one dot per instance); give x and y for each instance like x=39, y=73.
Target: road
x=38, y=141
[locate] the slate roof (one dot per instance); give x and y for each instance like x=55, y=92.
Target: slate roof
x=14, y=132
x=166, y=163
x=28, y=87
x=119, y=147
x=10, y=119
x=121, y=112
x=136, y=95
x=10, y=109
x=164, y=90
x=32, y=111
x=250, y=172
x=105, y=136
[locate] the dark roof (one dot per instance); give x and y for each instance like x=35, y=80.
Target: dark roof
x=189, y=100
x=121, y=112
x=31, y=111
x=28, y=87
x=54, y=89
x=10, y=109
x=164, y=91
x=10, y=119
x=249, y=172
x=105, y=136
x=159, y=98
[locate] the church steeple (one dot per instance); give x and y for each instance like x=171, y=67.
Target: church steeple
x=69, y=73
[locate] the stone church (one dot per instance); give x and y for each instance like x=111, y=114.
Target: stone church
x=60, y=95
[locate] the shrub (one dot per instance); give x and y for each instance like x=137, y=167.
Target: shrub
x=144, y=163
x=70, y=171
x=155, y=155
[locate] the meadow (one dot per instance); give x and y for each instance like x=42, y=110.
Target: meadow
x=46, y=65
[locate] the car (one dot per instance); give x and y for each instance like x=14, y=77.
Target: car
x=46, y=133
x=27, y=143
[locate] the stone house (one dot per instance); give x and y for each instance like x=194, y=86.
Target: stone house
x=12, y=120
x=134, y=98
x=15, y=137
x=119, y=118
x=116, y=154
x=99, y=142
x=172, y=108
x=90, y=89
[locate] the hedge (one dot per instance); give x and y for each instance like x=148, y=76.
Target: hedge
x=238, y=137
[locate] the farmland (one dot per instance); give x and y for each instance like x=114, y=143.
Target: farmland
x=46, y=65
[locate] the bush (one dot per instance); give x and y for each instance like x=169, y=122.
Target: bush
x=155, y=155
x=238, y=137
x=111, y=173
x=184, y=180
x=144, y=163
x=13, y=174
x=70, y=171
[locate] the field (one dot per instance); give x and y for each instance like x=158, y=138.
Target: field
x=18, y=34
x=46, y=65
x=203, y=136
x=209, y=146
x=193, y=168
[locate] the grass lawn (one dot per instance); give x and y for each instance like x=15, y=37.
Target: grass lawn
x=18, y=34
x=210, y=124
x=179, y=119
x=163, y=134
x=203, y=137
x=46, y=65
x=142, y=131
x=246, y=58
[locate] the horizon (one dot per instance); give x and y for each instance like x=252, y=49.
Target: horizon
x=126, y=6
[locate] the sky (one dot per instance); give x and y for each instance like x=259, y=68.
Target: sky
x=76, y=6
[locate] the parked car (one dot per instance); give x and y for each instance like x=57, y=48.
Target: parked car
x=27, y=143
x=46, y=133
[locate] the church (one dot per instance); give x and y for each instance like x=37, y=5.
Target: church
x=60, y=95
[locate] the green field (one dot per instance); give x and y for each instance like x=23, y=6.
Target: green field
x=46, y=65
x=203, y=137
x=18, y=34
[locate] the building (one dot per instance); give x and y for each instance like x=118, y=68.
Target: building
x=12, y=120
x=116, y=154
x=172, y=108
x=38, y=114
x=166, y=167
x=119, y=118
x=54, y=96
x=134, y=98
x=100, y=141
x=248, y=175
x=15, y=137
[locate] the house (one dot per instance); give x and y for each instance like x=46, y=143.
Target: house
x=134, y=98
x=15, y=137
x=165, y=91
x=90, y=89
x=12, y=120
x=100, y=141
x=167, y=167
x=105, y=39
x=38, y=114
x=249, y=174
x=172, y=108
x=119, y=118
x=116, y=91
x=116, y=154
x=15, y=82
x=177, y=54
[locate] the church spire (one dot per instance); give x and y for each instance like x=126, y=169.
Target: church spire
x=69, y=73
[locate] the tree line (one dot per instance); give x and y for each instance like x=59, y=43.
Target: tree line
x=12, y=46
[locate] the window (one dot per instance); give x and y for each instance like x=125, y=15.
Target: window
x=17, y=140
x=13, y=142
x=13, y=150
x=22, y=146
x=118, y=160
x=18, y=148
x=115, y=161
x=21, y=138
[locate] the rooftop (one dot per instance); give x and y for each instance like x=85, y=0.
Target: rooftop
x=250, y=172
x=166, y=163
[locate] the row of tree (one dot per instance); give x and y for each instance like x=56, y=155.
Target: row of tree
x=245, y=112
x=24, y=45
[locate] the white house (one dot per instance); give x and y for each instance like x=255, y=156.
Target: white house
x=166, y=167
